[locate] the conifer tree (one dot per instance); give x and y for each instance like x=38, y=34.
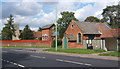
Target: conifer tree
x=27, y=34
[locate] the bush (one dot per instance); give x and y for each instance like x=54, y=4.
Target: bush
x=59, y=42
x=40, y=38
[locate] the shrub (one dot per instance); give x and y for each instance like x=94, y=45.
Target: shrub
x=59, y=42
x=40, y=38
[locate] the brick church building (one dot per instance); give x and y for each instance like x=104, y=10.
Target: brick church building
x=91, y=36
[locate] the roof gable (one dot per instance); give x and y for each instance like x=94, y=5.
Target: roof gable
x=47, y=26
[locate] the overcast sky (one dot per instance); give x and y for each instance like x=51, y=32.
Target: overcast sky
x=37, y=13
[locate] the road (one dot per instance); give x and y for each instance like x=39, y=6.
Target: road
x=15, y=57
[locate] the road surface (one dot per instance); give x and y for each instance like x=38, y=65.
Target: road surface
x=16, y=57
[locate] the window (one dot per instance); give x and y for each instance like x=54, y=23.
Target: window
x=72, y=26
x=79, y=38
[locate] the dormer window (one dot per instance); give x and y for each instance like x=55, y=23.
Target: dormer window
x=72, y=26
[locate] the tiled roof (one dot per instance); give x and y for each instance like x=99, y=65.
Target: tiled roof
x=91, y=28
x=47, y=26
x=110, y=33
x=70, y=37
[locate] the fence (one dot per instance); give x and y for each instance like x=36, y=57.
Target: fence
x=26, y=43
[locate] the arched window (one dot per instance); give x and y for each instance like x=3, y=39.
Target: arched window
x=72, y=26
x=79, y=38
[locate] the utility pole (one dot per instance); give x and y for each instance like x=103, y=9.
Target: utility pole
x=56, y=29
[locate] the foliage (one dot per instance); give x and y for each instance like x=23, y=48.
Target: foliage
x=59, y=42
x=40, y=29
x=27, y=34
x=0, y=36
x=111, y=14
x=117, y=54
x=92, y=19
x=40, y=38
x=78, y=51
x=8, y=31
x=65, y=21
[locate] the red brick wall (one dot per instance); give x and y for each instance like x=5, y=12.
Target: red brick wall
x=26, y=43
x=71, y=44
x=74, y=45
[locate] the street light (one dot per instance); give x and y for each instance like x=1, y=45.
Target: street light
x=56, y=30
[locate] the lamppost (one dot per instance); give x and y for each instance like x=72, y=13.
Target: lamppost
x=56, y=30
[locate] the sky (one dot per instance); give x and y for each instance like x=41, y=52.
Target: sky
x=37, y=13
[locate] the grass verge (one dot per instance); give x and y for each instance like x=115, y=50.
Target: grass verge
x=78, y=51
x=117, y=54
x=24, y=47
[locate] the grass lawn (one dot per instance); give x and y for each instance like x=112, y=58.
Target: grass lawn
x=78, y=51
x=117, y=54
x=23, y=47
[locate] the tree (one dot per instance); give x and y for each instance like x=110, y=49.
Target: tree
x=39, y=29
x=27, y=34
x=92, y=19
x=0, y=36
x=111, y=14
x=8, y=31
x=65, y=21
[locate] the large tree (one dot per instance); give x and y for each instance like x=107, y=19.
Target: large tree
x=26, y=34
x=39, y=29
x=92, y=19
x=111, y=14
x=65, y=21
x=8, y=31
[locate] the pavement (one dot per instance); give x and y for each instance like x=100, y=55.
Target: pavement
x=95, y=56
x=17, y=57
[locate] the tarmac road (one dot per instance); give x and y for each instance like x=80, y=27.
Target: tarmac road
x=16, y=57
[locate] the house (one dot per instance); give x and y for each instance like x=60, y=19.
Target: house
x=48, y=32
x=90, y=36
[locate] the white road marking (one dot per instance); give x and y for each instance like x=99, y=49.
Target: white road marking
x=74, y=62
x=59, y=60
x=7, y=61
x=12, y=63
x=37, y=56
x=15, y=63
x=21, y=65
x=88, y=64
